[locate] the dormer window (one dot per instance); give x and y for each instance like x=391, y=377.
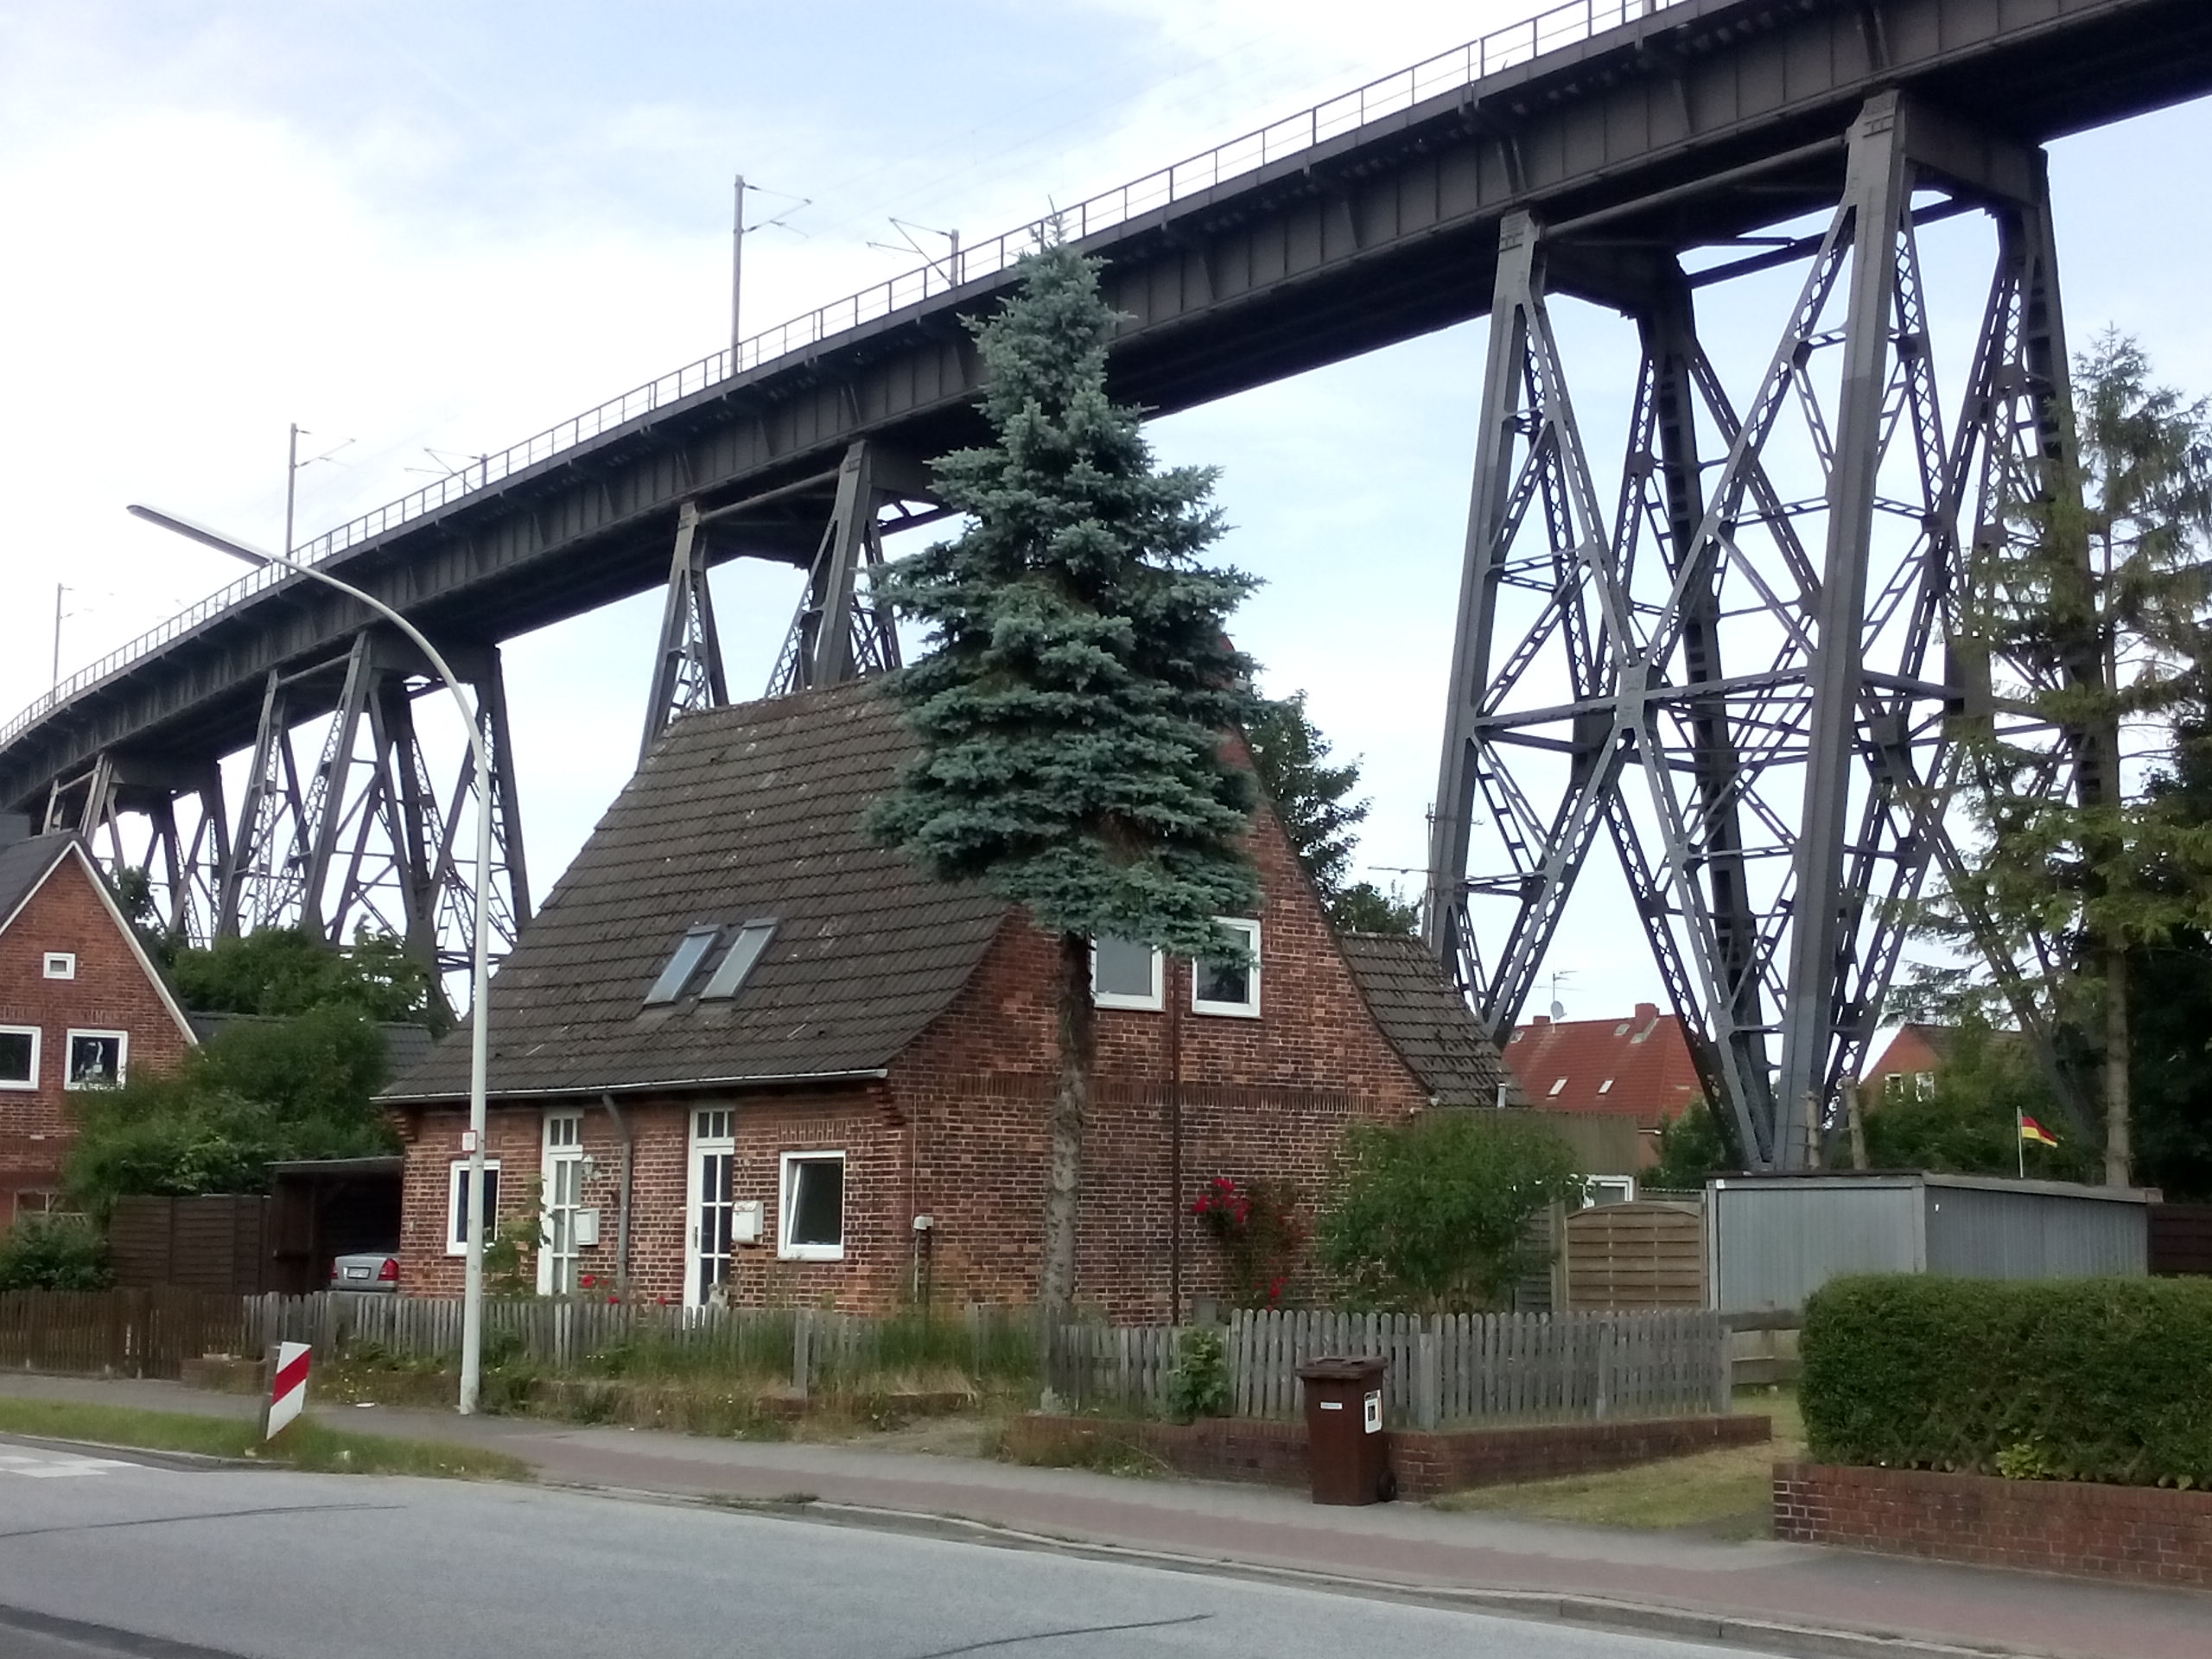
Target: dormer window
x=690, y=950
x=737, y=962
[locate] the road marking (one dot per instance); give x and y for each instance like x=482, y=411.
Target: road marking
x=49, y=1465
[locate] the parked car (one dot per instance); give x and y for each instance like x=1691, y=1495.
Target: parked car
x=369, y=1270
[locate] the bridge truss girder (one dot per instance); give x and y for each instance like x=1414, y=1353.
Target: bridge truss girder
x=1777, y=669
x=839, y=630
x=362, y=839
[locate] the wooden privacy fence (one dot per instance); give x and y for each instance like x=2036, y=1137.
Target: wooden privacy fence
x=123, y=1332
x=1451, y=1368
x=1630, y=1257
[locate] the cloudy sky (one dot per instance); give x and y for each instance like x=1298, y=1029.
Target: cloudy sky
x=433, y=229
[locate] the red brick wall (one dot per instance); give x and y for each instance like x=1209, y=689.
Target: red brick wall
x=111, y=992
x=1269, y=1096
x=2142, y=1533
x=1426, y=1465
x=850, y=1121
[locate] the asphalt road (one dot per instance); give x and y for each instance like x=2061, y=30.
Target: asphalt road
x=165, y=1560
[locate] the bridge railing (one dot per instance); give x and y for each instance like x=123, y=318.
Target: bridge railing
x=1504, y=49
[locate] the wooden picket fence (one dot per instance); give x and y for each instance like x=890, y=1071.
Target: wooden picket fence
x=1497, y=1367
x=117, y=1332
x=1458, y=1368
x=813, y=1347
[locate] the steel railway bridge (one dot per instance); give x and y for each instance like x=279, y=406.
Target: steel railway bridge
x=1727, y=657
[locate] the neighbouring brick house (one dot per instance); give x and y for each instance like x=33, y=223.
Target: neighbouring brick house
x=830, y=1073
x=1909, y=1064
x=81, y=1006
x=1637, y=1067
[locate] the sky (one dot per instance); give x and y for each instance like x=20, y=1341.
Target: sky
x=424, y=231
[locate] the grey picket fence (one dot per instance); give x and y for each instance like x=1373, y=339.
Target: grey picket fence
x=1457, y=1368
x=1493, y=1367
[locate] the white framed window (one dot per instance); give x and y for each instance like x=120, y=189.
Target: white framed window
x=19, y=1057
x=811, y=1221
x=1558, y=1084
x=61, y=964
x=1126, y=974
x=1223, y=985
x=563, y=1181
x=457, y=1203
x=1607, y=1189
x=97, y=1059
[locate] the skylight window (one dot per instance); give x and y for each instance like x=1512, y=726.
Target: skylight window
x=690, y=950
x=1558, y=1084
x=744, y=951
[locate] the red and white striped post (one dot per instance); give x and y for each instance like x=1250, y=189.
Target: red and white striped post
x=287, y=1387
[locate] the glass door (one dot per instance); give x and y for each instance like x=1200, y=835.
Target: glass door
x=564, y=1196
x=710, y=1204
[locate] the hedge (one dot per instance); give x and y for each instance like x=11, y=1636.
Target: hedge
x=2091, y=1379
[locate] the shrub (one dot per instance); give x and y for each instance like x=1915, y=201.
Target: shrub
x=1198, y=1386
x=1431, y=1216
x=52, y=1253
x=2092, y=1379
x=1256, y=1225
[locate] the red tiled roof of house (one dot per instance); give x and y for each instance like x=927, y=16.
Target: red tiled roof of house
x=1637, y=1065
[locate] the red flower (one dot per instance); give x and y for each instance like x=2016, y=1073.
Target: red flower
x=614, y=1301
x=588, y=1281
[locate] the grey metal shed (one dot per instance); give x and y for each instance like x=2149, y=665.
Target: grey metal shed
x=1773, y=1240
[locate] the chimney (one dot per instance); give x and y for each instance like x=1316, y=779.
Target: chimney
x=14, y=827
x=1541, y=1020
x=1646, y=1012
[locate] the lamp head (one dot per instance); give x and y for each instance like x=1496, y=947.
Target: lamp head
x=204, y=536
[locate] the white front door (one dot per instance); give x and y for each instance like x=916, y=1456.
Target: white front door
x=563, y=1177
x=708, y=1204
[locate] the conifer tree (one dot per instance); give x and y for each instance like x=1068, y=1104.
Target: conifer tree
x=2101, y=611
x=1072, y=709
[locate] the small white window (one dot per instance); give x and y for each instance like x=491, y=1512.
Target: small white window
x=457, y=1203
x=97, y=1058
x=716, y=1125
x=1558, y=1084
x=563, y=1131
x=61, y=964
x=811, y=1225
x=1607, y=1189
x=1227, y=986
x=1620, y=1031
x=18, y=1057
x=1606, y=1087
x=1126, y=974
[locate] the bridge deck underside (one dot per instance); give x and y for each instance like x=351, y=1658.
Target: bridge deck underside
x=1364, y=240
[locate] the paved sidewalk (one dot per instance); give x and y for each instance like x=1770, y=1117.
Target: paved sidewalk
x=1400, y=1544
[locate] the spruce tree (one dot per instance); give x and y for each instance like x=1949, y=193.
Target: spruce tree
x=2101, y=612
x=1072, y=709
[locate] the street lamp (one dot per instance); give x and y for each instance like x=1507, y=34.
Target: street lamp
x=471, y=1312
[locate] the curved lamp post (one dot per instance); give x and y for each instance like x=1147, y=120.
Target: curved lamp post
x=471, y=1314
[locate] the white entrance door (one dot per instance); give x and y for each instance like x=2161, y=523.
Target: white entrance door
x=564, y=1176
x=708, y=1204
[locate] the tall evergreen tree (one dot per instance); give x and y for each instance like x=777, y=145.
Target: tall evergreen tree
x=1072, y=709
x=2103, y=617
x=1310, y=797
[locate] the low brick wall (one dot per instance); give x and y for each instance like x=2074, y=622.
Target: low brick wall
x=2142, y=1533
x=1426, y=1465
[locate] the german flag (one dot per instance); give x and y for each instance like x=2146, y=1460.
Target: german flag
x=2034, y=1132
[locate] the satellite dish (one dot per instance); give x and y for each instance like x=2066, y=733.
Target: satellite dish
x=1558, y=1010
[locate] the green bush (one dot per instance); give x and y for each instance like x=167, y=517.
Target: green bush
x=1198, y=1386
x=2091, y=1379
x=52, y=1253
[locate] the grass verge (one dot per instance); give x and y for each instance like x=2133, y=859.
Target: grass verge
x=305, y=1446
x=1726, y=1494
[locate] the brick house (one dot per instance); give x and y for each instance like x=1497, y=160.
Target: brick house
x=1637, y=1067
x=1909, y=1064
x=81, y=1006
x=826, y=1074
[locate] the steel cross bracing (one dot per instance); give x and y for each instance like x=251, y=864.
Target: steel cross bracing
x=361, y=841
x=1737, y=664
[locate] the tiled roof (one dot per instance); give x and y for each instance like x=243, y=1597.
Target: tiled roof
x=1638, y=1064
x=406, y=1044
x=739, y=814
x=1425, y=1020
x=23, y=865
